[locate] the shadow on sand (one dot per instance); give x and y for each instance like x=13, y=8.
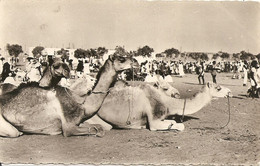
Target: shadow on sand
x=189, y=83
x=178, y=118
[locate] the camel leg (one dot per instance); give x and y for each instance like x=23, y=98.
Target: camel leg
x=97, y=120
x=8, y=130
x=165, y=125
x=87, y=129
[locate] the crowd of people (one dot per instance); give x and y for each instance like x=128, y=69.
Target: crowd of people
x=248, y=70
x=149, y=71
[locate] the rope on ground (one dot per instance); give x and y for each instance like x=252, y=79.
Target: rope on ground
x=182, y=118
x=229, y=114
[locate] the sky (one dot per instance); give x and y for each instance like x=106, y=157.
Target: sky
x=188, y=26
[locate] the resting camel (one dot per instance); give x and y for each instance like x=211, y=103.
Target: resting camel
x=81, y=86
x=51, y=76
x=51, y=111
x=136, y=108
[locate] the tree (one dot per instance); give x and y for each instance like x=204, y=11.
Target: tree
x=215, y=56
x=64, y=54
x=258, y=57
x=101, y=51
x=236, y=56
x=246, y=56
x=37, y=51
x=194, y=55
x=121, y=51
x=172, y=51
x=145, y=51
x=224, y=55
x=93, y=53
x=133, y=53
x=183, y=55
x=159, y=55
x=80, y=53
x=204, y=56
x=14, y=50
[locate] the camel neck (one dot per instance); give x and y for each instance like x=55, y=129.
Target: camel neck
x=189, y=105
x=46, y=79
x=105, y=78
x=198, y=102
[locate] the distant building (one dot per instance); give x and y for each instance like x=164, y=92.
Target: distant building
x=53, y=52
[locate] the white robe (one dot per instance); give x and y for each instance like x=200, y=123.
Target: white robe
x=168, y=78
x=181, y=72
x=151, y=78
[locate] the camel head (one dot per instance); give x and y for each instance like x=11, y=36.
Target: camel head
x=167, y=89
x=57, y=71
x=122, y=63
x=218, y=91
x=60, y=69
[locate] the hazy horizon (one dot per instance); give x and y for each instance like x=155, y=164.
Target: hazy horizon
x=188, y=26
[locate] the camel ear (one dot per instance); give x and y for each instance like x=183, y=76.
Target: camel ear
x=211, y=84
x=156, y=84
x=112, y=57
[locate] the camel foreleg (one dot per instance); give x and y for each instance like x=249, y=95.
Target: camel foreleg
x=97, y=120
x=8, y=130
x=86, y=129
x=165, y=125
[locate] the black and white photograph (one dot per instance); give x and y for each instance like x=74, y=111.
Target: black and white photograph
x=129, y=82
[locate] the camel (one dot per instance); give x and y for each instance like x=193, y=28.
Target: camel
x=51, y=76
x=137, y=108
x=81, y=86
x=53, y=111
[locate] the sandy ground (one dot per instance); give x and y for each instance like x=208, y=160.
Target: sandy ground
x=202, y=141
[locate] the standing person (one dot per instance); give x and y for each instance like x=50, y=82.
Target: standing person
x=200, y=72
x=70, y=64
x=86, y=68
x=6, y=70
x=253, y=73
x=235, y=70
x=50, y=60
x=254, y=79
x=181, y=72
x=245, y=70
x=214, y=72
x=80, y=69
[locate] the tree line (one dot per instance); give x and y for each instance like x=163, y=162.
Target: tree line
x=15, y=50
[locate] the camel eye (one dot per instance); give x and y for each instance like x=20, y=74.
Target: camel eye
x=218, y=88
x=121, y=59
x=56, y=66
